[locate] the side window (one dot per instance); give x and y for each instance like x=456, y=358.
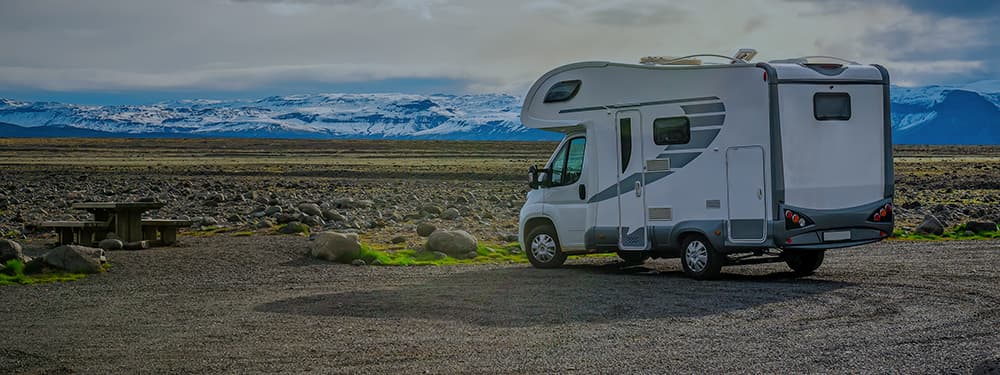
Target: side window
x=626, y=141
x=559, y=166
x=574, y=160
x=671, y=131
x=567, y=166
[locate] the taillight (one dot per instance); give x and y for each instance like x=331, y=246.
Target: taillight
x=882, y=214
x=795, y=220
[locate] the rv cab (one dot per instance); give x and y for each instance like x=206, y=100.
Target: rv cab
x=715, y=164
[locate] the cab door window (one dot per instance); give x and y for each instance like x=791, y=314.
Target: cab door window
x=567, y=166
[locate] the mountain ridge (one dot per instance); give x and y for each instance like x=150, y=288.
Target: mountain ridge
x=968, y=114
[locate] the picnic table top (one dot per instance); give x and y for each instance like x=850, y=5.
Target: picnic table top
x=117, y=205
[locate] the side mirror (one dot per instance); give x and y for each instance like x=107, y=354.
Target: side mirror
x=533, y=177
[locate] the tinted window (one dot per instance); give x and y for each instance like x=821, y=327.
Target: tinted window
x=559, y=167
x=562, y=91
x=671, y=131
x=832, y=106
x=574, y=161
x=625, y=131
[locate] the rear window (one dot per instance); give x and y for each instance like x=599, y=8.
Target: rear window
x=834, y=106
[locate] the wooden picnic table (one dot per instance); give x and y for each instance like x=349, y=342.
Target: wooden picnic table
x=124, y=218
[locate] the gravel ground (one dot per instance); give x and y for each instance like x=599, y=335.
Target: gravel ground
x=254, y=304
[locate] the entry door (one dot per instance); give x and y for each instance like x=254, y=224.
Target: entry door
x=745, y=180
x=631, y=182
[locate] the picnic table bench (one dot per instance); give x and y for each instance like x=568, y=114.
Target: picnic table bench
x=122, y=218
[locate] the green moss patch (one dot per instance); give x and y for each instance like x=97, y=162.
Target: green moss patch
x=957, y=233
x=13, y=273
x=488, y=253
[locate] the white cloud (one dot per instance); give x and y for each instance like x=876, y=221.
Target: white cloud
x=238, y=45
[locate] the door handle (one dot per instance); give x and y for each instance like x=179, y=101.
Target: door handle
x=638, y=189
x=760, y=193
x=583, y=192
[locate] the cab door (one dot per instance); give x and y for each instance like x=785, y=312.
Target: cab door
x=565, y=193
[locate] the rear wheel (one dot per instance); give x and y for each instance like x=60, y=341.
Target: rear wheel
x=700, y=260
x=543, y=248
x=804, y=262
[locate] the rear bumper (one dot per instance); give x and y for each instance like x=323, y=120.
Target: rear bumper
x=833, y=228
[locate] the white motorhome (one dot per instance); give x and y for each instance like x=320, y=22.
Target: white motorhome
x=716, y=164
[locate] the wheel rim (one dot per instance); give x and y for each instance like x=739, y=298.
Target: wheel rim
x=543, y=248
x=697, y=256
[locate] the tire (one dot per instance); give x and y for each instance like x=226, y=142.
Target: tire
x=805, y=262
x=543, y=248
x=699, y=258
x=633, y=257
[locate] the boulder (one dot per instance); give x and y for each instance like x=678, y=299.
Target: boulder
x=137, y=245
x=930, y=225
x=111, y=244
x=311, y=209
x=425, y=229
x=358, y=262
x=981, y=226
x=333, y=216
x=432, y=209
x=11, y=250
x=450, y=214
x=455, y=243
x=336, y=247
x=294, y=227
x=398, y=239
x=76, y=259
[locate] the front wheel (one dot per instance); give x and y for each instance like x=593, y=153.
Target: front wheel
x=543, y=248
x=804, y=262
x=700, y=260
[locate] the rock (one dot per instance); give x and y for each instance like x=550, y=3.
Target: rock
x=313, y=221
x=111, y=244
x=472, y=254
x=911, y=205
x=138, y=245
x=333, y=216
x=455, y=243
x=271, y=210
x=11, y=250
x=311, y=209
x=398, y=239
x=432, y=209
x=294, y=227
x=930, y=225
x=981, y=226
x=209, y=221
x=425, y=229
x=450, y=214
x=76, y=259
x=265, y=223
x=336, y=247
x=358, y=262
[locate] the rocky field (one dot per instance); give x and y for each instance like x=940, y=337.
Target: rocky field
x=381, y=189
x=237, y=295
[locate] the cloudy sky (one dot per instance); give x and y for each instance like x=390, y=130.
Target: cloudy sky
x=135, y=51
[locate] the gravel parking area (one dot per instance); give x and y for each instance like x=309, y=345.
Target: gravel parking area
x=255, y=304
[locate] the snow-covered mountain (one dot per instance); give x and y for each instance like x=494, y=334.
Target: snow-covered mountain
x=967, y=114
x=388, y=116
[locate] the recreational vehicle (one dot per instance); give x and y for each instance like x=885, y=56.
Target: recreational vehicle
x=717, y=164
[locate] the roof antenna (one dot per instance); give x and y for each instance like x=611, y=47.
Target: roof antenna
x=745, y=54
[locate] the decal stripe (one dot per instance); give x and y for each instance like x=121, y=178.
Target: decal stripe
x=630, y=105
x=626, y=185
x=699, y=139
x=712, y=120
x=694, y=109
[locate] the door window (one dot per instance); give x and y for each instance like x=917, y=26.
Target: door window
x=567, y=166
x=625, y=138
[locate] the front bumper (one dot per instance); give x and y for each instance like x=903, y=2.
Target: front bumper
x=833, y=228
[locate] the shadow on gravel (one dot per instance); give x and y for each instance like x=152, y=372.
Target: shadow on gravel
x=515, y=297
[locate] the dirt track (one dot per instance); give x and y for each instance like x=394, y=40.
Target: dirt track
x=255, y=305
